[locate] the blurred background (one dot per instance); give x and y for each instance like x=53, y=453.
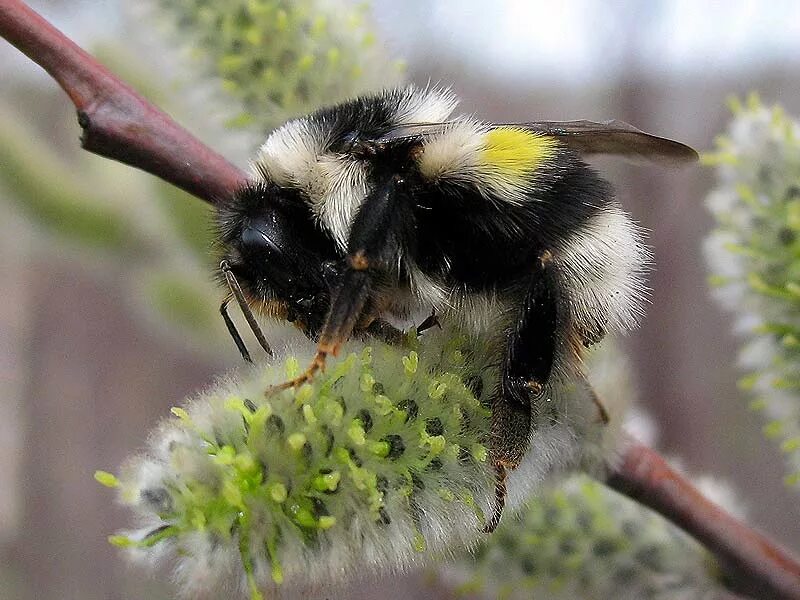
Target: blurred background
x=108, y=312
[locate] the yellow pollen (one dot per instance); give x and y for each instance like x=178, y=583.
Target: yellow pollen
x=515, y=153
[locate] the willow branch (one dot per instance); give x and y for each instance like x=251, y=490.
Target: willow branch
x=752, y=564
x=117, y=122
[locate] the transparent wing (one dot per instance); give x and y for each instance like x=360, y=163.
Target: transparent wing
x=587, y=137
x=616, y=138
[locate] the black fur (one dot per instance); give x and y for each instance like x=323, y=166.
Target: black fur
x=278, y=252
x=466, y=241
x=357, y=120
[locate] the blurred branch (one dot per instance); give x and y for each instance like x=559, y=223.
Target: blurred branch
x=120, y=124
x=752, y=564
x=117, y=122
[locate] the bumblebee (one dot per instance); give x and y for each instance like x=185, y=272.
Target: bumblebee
x=386, y=206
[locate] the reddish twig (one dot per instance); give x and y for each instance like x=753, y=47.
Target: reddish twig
x=117, y=122
x=752, y=564
x=120, y=124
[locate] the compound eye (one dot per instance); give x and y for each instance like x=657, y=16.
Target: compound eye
x=256, y=237
x=279, y=253
x=273, y=239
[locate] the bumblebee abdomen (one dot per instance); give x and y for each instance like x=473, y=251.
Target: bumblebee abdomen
x=602, y=267
x=515, y=194
x=475, y=241
x=470, y=244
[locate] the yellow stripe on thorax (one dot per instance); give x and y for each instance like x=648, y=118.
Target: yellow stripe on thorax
x=515, y=153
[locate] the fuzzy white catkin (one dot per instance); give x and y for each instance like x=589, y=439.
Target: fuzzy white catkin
x=754, y=256
x=378, y=466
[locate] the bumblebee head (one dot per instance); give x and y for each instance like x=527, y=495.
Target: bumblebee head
x=283, y=236
x=284, y=263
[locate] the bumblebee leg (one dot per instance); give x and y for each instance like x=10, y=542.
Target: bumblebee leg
x=499, y=497
x=510, y=431
x=430, y=322
x=376, y=238
x=317, y=364
x=531, y=347
x=526, y=370
x=344, y=312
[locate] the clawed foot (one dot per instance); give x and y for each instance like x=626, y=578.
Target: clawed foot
x=500, y=492
x=389, y=334
x=431, y=321
x=318, y=364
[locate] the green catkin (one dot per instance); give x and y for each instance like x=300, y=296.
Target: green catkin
x=315, y=483
x=754, y=258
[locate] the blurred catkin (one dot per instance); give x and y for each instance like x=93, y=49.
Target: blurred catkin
x=754, y=255
x=582, y=540
x=276, y=58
